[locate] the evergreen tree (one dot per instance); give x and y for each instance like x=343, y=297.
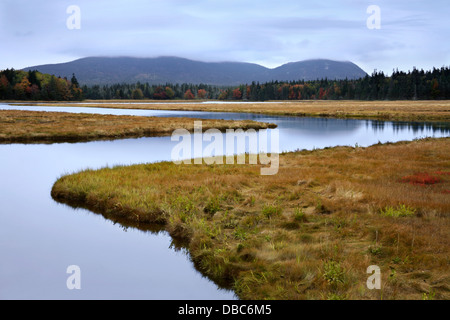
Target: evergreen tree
x=74, y=81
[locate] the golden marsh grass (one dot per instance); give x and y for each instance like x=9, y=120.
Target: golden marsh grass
x=37, y=126
x=309, y=232
x=381, y=110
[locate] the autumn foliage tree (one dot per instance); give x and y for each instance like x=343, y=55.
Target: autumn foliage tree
x=223, y=95
x=5, y=87
x=22, y=89
x=201, y=94
x=32, y=85
x=137, y=94
x=160, y=94
x=188, y=95
x=169, y=92
x=237, y=94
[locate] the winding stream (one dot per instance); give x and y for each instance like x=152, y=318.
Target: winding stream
x=40, y=238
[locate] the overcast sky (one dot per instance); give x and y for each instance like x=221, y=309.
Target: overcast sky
x=270, y=33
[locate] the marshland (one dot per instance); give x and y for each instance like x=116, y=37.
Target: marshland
x=419, y=110
x=349, y=193
x=40, y=126
x=197, y=150
x=309, y=232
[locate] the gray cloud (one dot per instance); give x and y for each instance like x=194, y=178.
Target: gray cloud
x=413, y=33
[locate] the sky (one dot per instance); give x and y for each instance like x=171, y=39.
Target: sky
x=408, y=33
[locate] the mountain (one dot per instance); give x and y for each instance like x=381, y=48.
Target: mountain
x=317, y=69
x=161, y=70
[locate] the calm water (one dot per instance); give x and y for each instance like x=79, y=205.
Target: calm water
x=40, y=238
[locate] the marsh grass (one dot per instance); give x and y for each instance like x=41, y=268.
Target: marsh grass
x=401, y=211
x=381, y=110
x=38, y=126
x=247, y=232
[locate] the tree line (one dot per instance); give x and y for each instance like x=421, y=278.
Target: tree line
x=411, y=85
x=33, y=85
x=139, y=91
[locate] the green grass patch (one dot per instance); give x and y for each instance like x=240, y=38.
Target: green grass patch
x=398, y=212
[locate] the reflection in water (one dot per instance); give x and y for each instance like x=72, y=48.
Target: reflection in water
x=285, y=122
x=376, y=125
x=39, y=238
x=423, y=128
x=177, y=244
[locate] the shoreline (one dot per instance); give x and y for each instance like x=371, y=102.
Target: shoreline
x=252, y=240
x=30, y=127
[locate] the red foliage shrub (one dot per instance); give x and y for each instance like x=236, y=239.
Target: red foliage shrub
x=421, y=178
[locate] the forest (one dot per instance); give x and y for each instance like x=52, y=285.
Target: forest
x=33, y=85
x=411, y=85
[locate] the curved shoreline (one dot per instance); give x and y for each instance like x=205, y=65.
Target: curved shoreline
x=227, y=227
x=129, y=218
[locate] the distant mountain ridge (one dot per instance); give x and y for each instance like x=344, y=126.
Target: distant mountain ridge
x=161, y=70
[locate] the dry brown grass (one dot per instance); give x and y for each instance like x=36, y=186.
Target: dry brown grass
x=35, y=126
x=382, y=110
x=309, y=232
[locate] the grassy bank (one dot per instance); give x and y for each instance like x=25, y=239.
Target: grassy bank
x=309, y=232
x=380, y=110
x=35, y=126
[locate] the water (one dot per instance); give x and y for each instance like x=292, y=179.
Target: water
x=40, y=238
